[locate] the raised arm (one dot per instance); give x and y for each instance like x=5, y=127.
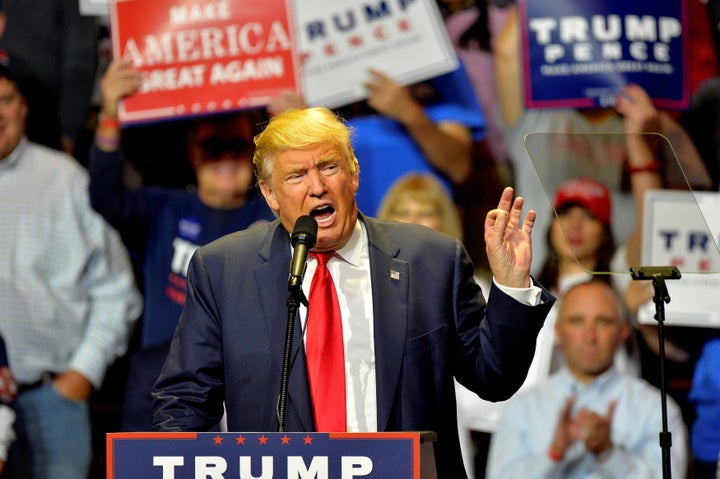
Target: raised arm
x=122, y=208
x=447, y=145
x=508, y=74
x=119, y=81
x=640, y=118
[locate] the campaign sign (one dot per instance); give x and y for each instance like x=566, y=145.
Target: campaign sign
x=200, y=56
x=263, y=455
x=340, y=40
x=682, y=228
x=579, y=54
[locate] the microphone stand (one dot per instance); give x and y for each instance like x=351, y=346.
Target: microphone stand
x=293, y=303
x=658, y=275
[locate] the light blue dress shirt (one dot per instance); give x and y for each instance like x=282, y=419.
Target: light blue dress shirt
x=520, y=444
x=67, y=294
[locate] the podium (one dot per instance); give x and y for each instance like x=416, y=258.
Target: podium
x=270, y=455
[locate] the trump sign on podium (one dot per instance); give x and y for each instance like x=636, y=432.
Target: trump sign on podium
x=200, y=57
x=257, y=455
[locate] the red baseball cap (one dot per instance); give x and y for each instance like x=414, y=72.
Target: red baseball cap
x=591, y=194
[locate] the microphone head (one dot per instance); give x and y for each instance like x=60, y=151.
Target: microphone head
x=305, y=231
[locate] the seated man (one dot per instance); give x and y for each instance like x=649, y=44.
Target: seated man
x=587, y=420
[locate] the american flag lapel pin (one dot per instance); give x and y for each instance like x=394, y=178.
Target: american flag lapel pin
x=395, y=275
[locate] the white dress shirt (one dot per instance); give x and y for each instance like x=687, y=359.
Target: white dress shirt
x=350, y=270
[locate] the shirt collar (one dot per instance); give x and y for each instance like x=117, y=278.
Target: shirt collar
x=599, y=382
x=13, y=158
x=353, y=249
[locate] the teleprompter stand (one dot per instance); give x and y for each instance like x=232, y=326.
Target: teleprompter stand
x=658, y=275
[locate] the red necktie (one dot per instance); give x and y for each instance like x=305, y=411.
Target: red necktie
x=324, y=350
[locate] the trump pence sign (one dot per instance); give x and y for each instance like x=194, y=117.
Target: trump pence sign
x=580, y=54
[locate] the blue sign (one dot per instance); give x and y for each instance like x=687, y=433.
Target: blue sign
x=263, y=455
x=579, y=54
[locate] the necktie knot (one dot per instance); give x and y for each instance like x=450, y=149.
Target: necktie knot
x=322, y=258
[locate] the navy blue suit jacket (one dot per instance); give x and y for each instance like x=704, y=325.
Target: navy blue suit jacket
x=431, y=324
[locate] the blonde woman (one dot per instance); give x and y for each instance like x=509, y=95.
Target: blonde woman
x=420, y=198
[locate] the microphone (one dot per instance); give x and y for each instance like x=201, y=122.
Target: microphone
x=303, y=239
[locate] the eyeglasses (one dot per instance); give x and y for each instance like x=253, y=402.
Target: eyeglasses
x=215, y=146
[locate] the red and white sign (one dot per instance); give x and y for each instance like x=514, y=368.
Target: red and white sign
x=681, y=228
x=201, y=57
x=341, y=39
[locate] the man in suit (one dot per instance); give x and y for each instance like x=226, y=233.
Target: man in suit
x=412, y=315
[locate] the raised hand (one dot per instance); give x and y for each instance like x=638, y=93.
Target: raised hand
x=286, y=100
x=507, y=243
x=388, y=97
x=119, y=81
x=636, y=106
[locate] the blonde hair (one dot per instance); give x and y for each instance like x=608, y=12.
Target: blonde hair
x=423, y=188
x=297, y=129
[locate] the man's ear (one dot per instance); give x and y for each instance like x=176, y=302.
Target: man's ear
x=355, y=181
x=557, y=334
x=24, y=107
x=269, y=195
x=624, y=332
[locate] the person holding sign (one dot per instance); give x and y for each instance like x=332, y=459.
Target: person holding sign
x=582, y=157
x=427, y=127
x=163, y=227
x=411, y=317
x=580, y=241
x=585, y=211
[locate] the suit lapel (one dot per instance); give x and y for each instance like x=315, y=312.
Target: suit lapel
x=271, y=280
x=390, y=309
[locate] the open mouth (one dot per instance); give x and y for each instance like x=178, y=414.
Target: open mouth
x=323, y=214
